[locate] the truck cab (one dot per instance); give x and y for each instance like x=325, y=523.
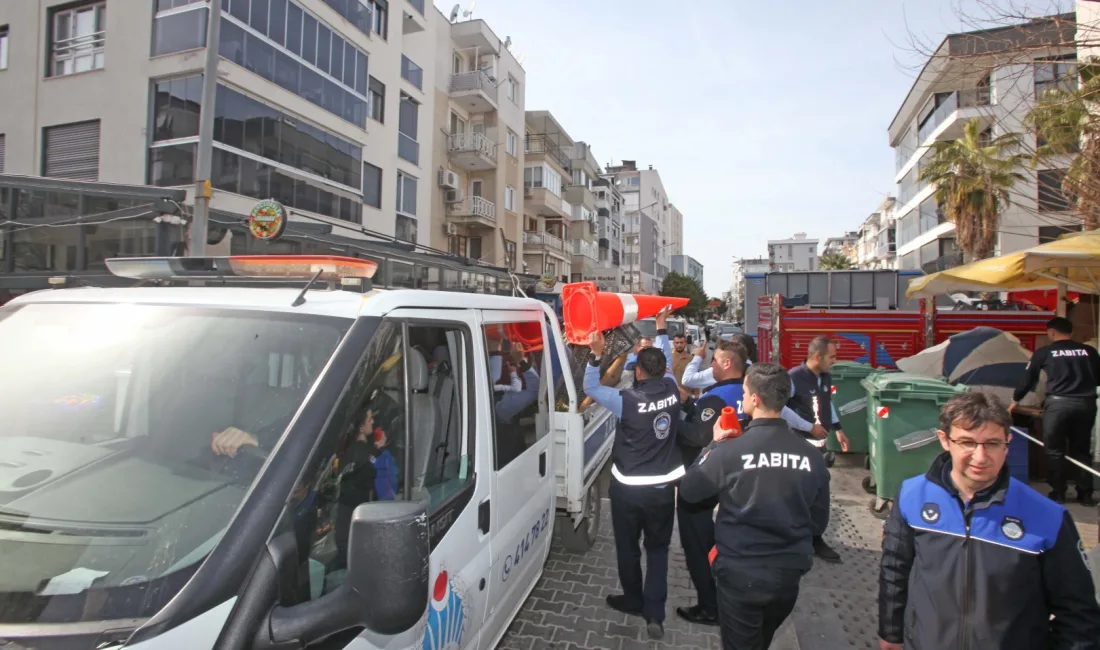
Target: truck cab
x=275, y=466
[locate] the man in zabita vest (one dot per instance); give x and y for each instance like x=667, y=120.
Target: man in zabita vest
x=645, y=465
x=811, y=402
x=696, y=520
x=773, y=493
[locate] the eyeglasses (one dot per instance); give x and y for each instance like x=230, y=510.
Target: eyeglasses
x=992, y=446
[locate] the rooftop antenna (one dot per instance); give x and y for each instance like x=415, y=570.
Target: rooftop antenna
x=470, y=10
x=508, y=43
x=454, y=13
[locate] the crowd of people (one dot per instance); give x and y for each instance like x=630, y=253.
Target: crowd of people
x=971, y=557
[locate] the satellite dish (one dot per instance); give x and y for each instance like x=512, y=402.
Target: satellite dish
x=469, y=12
x=454, y=13
x=508, y=42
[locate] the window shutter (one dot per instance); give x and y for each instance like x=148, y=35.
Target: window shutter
x=72, y=151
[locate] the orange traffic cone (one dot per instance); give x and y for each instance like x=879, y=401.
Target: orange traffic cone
x=585, y=309
x=528, y=334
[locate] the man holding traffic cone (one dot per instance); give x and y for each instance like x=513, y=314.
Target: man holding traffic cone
x=645, y=465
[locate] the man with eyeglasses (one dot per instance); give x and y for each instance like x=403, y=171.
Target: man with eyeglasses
x=972, y=558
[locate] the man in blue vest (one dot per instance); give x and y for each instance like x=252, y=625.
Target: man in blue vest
x=697, y=519
x=972, y=558
x=811, y=402
x=645, y=464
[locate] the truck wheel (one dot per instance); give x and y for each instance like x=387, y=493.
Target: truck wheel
x=581, y=538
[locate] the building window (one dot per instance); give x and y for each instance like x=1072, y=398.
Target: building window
x=176, y=105
x=178, y=26
x=358, y=12
x=381, y=17
x=77, y=39
x=511, y=144
x=405, y=229
x=1055, y=74
x=1051, y=196
x=372, y=185
x=510, y=88
x=473, y=249
x=509, y=254
x=412, y=73
x=377, y=100
x=407, y=146
x=298, y=53
x=509, y=198
x=4, y=47
x=71, y=151
x=406, y=194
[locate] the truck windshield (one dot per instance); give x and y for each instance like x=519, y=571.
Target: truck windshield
x=130, y=437
x=648, y=327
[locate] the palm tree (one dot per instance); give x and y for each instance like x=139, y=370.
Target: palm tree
x=1067, y=123
x=973, y=176
x=835, y=261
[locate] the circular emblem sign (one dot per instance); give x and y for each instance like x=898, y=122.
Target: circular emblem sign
x=267, y=221
x=661, y=425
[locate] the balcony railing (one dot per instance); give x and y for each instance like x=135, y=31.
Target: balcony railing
x=408, y=148
x=585, y=248
x=411, y=72
x=472, y=143
x=968, y=98
x=475, y=80
x=474, y=206
x=949, y=261
x=541, y=144
x=533, y=238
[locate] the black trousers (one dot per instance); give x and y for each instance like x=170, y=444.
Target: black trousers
x=753, y=601
x=638, y=509
x=1067, y=426
x=696, y=522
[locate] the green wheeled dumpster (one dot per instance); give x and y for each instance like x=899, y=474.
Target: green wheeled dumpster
x=903, y=412
x=850, y=400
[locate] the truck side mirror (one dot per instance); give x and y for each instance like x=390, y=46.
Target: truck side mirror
x=386, y=588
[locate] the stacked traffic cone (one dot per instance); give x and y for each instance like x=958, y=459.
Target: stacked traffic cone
x=585, y=309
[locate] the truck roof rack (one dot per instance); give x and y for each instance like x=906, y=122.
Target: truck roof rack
x=344, y=272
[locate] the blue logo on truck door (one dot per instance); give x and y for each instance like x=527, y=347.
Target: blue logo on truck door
x=540, y=527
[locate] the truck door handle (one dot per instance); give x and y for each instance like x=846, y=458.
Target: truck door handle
x=483, y=517
x=542, y=464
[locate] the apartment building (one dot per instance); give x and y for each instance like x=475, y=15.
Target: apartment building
x=1018, y=63
x=843, y=245
x=795, y=254
x=676, y=230
x=742, y=268
x=547, y=214
x=877, y=245
x=689, y=266
x=647, y=226
x=331, y=107
x=609, y=216
x=580, y=196
x=477, y=152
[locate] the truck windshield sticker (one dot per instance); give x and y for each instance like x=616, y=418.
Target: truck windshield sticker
x=541, y=526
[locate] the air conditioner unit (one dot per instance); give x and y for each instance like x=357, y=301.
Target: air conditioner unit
x=448, y=179
x=453, y=196
x=450, y=229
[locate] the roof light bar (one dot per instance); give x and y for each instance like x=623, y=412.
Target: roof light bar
x=304, y=267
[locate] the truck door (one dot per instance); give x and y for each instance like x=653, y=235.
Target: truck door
x=520, y=510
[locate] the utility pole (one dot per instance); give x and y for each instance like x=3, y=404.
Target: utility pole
x=204, y=162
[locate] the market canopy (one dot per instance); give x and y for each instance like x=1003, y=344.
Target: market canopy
x=1073, y=260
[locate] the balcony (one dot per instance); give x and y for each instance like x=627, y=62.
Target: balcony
x=414, y=21
x=541, y=145
x=584, y=248
x=947, y=121
x=473, y=211
x=543, y=241
x=540, y=201
x=472, y=151
x=949, y=261
x=412, y=73
x=475, y=91
x=580, y=195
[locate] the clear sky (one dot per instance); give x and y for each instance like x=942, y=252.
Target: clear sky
x=764, y=118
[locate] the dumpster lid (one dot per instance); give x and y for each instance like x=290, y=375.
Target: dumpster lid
x=851, y=370
x=903, y=381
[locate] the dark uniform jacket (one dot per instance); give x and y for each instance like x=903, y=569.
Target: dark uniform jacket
x=698, y=431
x=773, y=492
x=1073, y=370
x=986, y=575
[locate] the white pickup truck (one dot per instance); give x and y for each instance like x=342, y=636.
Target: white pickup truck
x=248, y=466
